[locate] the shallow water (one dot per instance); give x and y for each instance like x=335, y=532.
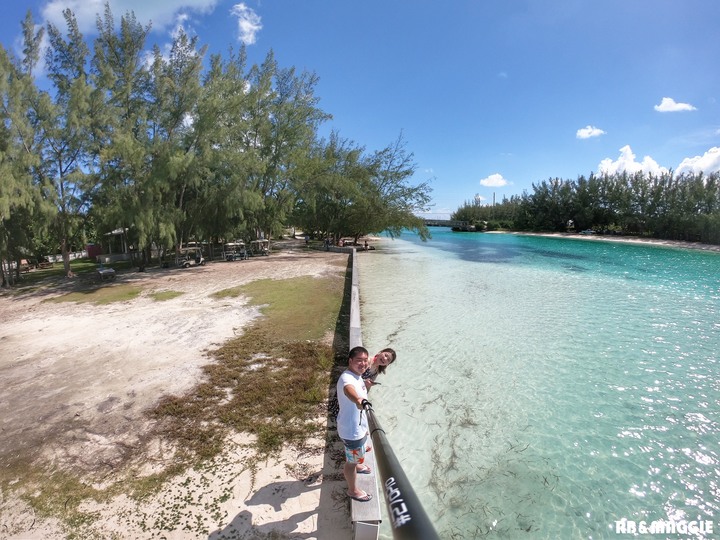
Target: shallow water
x=546, y=387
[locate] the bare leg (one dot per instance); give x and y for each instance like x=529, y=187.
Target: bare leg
x=351, y=477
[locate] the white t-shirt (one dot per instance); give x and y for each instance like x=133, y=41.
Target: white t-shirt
x=349, y=423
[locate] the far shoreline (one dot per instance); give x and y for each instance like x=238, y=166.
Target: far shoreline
x=678, y=244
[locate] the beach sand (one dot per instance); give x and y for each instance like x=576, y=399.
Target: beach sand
x=77, y=377
x=626, y=239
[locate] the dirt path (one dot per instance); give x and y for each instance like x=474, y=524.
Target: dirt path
x=76, y=377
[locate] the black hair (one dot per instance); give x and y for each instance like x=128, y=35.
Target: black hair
x=357, y=350
x=381, y=369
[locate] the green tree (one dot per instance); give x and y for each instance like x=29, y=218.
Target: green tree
x=148, y=177
x=173, y=181
x=65, y=122
x=551, y=206
x=330, y=183
x=222, y=125
x=22, y=208
x=283, y=119
x=120, y=138
x=391, y=201
x=346, y=193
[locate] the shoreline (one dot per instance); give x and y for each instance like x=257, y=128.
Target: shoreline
x=678, y=244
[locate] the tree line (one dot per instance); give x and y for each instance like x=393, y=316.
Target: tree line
x=666, y=206
x=170, y=148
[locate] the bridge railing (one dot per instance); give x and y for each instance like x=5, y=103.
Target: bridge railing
x=444, y=223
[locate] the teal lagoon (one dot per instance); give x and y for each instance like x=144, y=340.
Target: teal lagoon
x=548, y=387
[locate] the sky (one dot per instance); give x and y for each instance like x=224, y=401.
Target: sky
x=490, y=96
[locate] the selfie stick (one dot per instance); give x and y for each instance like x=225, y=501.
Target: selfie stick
x=407, y=516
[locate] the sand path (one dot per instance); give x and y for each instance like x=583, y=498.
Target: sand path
x=76, y=378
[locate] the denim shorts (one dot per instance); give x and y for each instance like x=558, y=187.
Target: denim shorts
x=355, y=450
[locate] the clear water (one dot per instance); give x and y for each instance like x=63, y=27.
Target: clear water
x=547, y=387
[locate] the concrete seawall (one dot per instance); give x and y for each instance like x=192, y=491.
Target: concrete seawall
x=365, y=516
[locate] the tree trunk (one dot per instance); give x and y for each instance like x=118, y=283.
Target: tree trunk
x=65, y=257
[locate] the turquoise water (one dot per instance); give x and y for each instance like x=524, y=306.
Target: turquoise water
x=547, y=387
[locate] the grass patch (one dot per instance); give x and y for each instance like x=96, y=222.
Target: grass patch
x=101, y=296
x=59, y=494
x=77, y=266
x=300, y=308
x=161, y=296
x=272, y=380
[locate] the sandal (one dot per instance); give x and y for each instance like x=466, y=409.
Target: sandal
x=365, y=498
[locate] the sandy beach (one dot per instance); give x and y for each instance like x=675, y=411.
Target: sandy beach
x=76, y=378
x=625, y=239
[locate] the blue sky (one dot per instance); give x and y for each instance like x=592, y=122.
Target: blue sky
x=489, y=95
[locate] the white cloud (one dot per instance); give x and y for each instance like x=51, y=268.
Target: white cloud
x=626, y=163
x=85, y=12
x=162, y=13
x=494, y=180
x=589, y=131
x=709, y=162
x=249, y=23
x=179, y=28
x=670, y=105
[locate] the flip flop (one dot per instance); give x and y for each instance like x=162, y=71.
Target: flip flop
x=365, y=498
x=364, y=470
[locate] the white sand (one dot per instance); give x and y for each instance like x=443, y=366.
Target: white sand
x=626, y=239
x=76, y=379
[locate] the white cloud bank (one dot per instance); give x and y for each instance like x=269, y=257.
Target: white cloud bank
x=709, y=162
x=249, y=23
x=670, y=105
x=162, y=13
x=494, y=180
x=172, y=16
x=589, y=131
x=626, y=163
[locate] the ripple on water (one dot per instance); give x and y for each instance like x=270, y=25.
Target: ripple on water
x=548, y=389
